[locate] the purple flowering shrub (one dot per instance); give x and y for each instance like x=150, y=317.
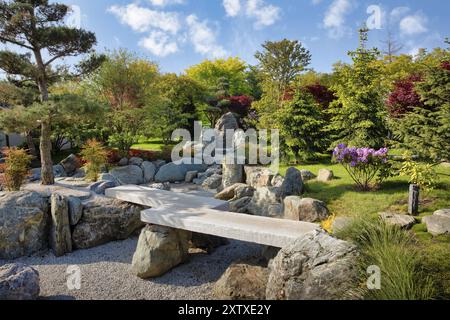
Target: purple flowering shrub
x=362, y=164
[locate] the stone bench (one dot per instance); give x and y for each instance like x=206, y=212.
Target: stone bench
x=162, y=244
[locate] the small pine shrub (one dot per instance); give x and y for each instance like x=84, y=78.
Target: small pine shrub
x=15, y=168
x=95, y=156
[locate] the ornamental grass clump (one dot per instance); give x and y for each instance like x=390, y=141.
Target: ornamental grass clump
x=95, y=156
x=362, y=164
x=15, y=169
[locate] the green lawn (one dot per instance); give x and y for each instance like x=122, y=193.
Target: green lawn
x=149, y=145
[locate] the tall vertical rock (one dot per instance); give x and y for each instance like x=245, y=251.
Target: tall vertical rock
x=60, y=235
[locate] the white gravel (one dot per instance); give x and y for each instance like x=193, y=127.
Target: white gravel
x=106, y=275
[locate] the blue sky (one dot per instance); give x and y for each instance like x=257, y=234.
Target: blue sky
x=180, y=33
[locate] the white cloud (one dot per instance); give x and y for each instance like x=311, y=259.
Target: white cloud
x=204, y=38
x=413, y=24
x=232, y=7
x=264, y=14
x=163, y=3
x=335, y=16
x=159, y=43
x=398, y=12
x=316, y=2
x=143, y=19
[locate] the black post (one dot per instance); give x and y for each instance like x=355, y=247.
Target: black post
x=413, y=201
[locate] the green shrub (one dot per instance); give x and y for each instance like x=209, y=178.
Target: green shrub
x=396, y=253
x=15, y=168
x=422, y=174
x=95, y=156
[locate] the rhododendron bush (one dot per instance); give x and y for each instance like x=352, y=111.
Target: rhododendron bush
x=362, y=164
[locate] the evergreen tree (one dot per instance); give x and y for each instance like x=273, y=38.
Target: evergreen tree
x=36, y=26
x=302, y=125
x=358, y=115
x=426, y=129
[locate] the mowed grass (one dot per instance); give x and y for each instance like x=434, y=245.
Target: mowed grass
x=149, y=145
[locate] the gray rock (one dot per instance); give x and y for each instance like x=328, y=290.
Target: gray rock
x=442, y=213
x=176, y=172
x=315, y=267
x=123, y=162
x=128, y=175
x=106, y=220
x=227, y=122
x=101, y=186
x=23, y=224
x=307, y=175
x=79, y=173
x=400, y=220
x=307, y=209
x=135, y=161
x=75, y=210
x=18, y=282
x=437, y=225
x=66, y=188
x=213, y=182
x=190, y=176
x=149, y=171
x=60, y=236
x=341, y=223
x=242, y=281
x=240, y=205
x=277, y=181
x=292, y=184
x=106, y=177
x=235, y=192
x=207, y=242
x=159, y=249
x=58, y=171
x=161, y=186
x=266, y=202
x=159, y=163
x=258, y=177
x=70, y=164
x=325, y=175
x=232, y=174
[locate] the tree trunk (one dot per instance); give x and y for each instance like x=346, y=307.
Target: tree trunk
x=30, y=144
x=47, y=177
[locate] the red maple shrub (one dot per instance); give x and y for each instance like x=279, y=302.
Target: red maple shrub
x=322, y=95
x=404, y=98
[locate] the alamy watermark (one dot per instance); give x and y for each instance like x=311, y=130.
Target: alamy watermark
x=73, y=273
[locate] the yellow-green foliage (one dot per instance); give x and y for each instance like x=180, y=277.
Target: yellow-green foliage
x=17, y=162
x=95, y=156
x=422, y=174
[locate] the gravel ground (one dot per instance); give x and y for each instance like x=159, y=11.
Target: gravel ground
x=106, y=275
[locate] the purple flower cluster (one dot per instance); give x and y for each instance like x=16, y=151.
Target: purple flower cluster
x=359, y=156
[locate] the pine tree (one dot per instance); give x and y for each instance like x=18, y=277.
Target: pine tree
x=426, y=130
x=301, y=125
x=358, y=115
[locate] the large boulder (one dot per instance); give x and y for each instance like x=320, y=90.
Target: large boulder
x=75, y=210
x=307, y=209
x=159, y=250
x=266, y=202
x=60, y=236
x=240, y=205
x=292, y=184
x=307, y=175
x=23, y=224
x=315, y=267
x=128, y=175
x=442, y=213
x=213, y=182
x=325, y=175
x=149, y=171
x=227, y=122
x=399, y=220
x=18, y=282
x=258, y=177
x=437, y=225
x=106, y=220
x=242, y=281
x=100, y=187
x=190, y=176
x=176, y=171
x=70, y=164
x=235, y=192
x=136, y=161
x=232, y=174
